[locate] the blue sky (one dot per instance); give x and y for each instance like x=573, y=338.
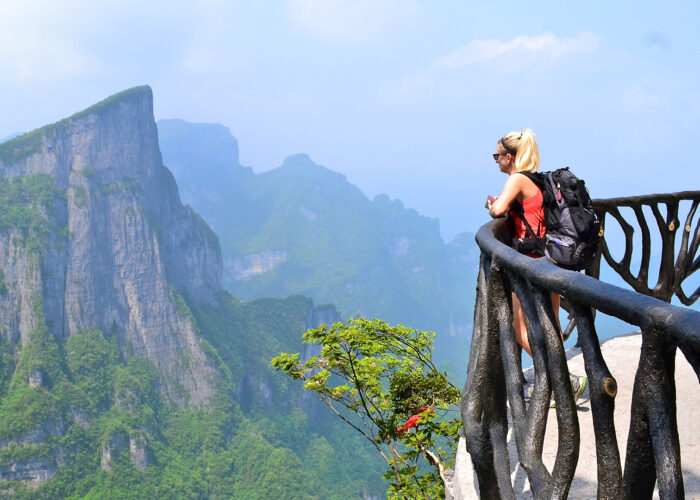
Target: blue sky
x=404, y=97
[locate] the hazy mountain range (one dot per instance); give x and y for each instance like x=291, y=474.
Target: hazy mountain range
x=304, y=229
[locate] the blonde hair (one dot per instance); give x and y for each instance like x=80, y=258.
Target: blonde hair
x=524, y=145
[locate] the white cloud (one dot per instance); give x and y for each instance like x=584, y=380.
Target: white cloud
x=480, y=66
x=348, y=21
x=547, y=45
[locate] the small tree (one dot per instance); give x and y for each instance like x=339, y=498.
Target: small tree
x=381, y=381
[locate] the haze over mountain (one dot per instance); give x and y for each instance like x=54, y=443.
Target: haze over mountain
x=125, y=369
x=402, y=97
x=304, y=229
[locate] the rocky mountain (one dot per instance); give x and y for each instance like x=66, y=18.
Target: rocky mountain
x=302, y=228
x=125, y=369
x=95, y=253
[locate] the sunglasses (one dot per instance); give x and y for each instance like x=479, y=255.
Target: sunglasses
x=496, y=156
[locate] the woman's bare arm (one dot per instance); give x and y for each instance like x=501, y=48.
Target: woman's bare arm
x=511, y=190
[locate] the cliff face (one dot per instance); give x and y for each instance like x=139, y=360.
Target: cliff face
x=120, y=354
x=109, y=245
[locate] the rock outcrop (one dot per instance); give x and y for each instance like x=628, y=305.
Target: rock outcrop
x=116, y=249
x=105, y=282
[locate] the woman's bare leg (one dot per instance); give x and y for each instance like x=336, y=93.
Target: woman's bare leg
x=519, y=325
x=556, y=303
x=519, y=321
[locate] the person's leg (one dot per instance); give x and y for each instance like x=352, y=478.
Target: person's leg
x=556, y=303
x=578, y=382
x=519, y=325
x=519, y=321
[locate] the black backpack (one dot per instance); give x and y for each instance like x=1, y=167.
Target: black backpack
x=573, y=231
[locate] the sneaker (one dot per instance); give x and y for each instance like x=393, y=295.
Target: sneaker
x=578, y=385
x=528, y=393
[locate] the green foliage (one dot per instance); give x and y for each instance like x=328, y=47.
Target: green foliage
x=21, y=147
x=88, y=173
x=7, y=366
x=374, y=376
x=92, y=399
x=3, y=286
x=246, y=335
x=91, y=360
x=127, y=184
x=79, y=195
x=180, y=305
x=25, y=407
x=26, y=203
x=135, y=389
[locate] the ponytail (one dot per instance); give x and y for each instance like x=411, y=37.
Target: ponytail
x=527, y=158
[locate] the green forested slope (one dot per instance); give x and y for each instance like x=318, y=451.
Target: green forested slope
x=272, y=446
x=304, y=229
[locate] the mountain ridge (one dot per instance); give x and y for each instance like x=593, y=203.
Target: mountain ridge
x=125, y=369
x=302, y=228
x=111, y=257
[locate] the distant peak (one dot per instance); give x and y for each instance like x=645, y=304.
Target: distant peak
x=140, y=99
x=383, y=199
x=298, y=158
x=133, y=94
x=179, y=125
x=185, y=144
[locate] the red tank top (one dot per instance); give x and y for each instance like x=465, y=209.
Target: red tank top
x=534, y=213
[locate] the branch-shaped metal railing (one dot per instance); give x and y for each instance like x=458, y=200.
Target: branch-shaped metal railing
x=673, y=268
x=494, y=376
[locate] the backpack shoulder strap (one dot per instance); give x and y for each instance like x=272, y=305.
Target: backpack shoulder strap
x=536, y=177
x=517, y=209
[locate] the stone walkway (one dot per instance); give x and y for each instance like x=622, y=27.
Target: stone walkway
x=622, y=356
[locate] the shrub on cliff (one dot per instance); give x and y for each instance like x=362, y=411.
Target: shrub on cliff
x=381, y=381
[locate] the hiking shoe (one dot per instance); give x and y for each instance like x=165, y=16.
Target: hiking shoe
x=578, y=385
x=528, y=393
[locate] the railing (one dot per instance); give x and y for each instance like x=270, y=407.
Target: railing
x=494, y=374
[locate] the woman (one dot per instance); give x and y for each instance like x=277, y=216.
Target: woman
x=518, y=152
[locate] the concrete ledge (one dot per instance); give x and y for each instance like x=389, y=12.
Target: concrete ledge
x=622, y=356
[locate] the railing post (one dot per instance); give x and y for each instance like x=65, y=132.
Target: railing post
x=602, y=388
x=542, y=330
x=478, y=395
x=528, y=426
x=653, y=448
x=494, y=371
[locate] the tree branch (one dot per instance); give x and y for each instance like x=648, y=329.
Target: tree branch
x=360, y=431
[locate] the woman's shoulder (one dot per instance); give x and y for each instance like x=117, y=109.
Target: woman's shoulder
x=520, y=179
x=525, y=186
